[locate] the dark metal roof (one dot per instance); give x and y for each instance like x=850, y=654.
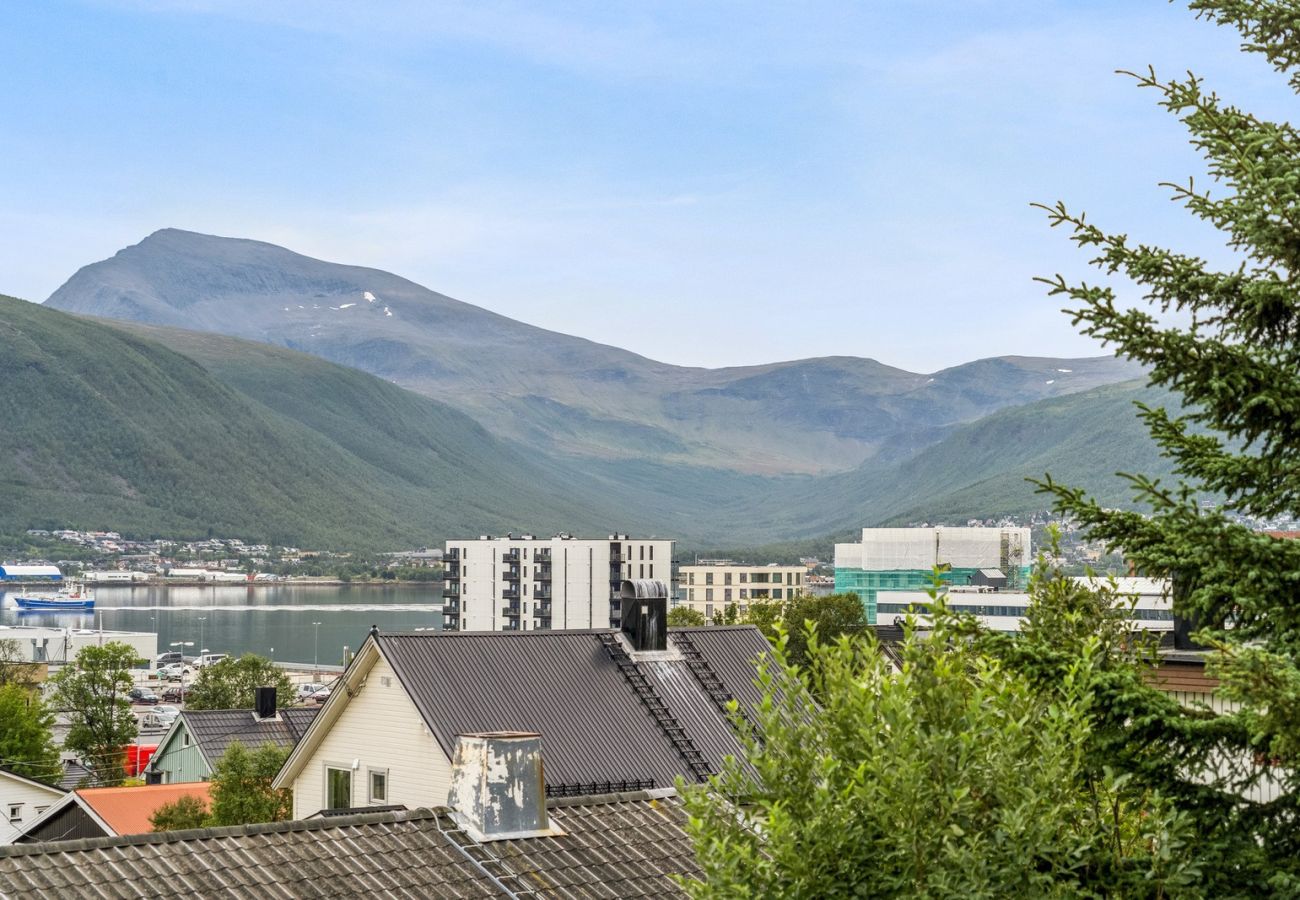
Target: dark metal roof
x=732, y=652
x=213, y=730
x=623, y=845
x=564, y=686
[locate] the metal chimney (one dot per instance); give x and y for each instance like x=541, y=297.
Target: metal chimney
x=497, y=786
x=644, y=619
x=264, y=702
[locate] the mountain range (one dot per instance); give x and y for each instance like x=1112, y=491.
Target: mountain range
x=213, y=385
x=556, y=394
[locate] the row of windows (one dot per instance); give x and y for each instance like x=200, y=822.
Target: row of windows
x=1009, y=611
x=791, y=578
x=745, y=594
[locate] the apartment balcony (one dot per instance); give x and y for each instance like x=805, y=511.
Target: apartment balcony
x=452, y=555
x=511, y=574
x=510, y=611
x=542, y=611
x=542, y=572
x=541, y=556
x=615, y=558
x=510, y=594
x=451, y=623
x=510, y=557
x=451, y=572
x=451, y=590
x=450, y=606
x=542, y=592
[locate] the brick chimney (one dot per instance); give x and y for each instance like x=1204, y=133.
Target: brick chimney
x=497, y=786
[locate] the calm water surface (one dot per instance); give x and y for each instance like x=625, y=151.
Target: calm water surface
x=272, y=620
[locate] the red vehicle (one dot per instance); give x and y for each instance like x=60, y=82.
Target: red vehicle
x=137, y=757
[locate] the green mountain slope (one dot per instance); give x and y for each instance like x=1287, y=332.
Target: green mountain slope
x=554, y=393
x=108, y=428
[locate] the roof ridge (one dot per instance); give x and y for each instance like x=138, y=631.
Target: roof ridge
x=165, y=837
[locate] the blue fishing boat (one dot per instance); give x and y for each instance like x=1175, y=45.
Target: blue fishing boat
x=73, y=598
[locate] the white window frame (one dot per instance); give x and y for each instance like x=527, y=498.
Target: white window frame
x=370, y=786
x=325, y=796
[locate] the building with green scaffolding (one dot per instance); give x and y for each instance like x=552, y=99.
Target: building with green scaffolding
x=910, y=559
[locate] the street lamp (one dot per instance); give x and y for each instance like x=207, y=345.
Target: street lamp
x=315, y=653
x=202, y=619
x=182, y=645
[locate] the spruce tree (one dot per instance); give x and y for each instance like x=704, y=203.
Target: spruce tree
x=1227, y=344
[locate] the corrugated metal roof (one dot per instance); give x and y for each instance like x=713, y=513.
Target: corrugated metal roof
x=624, y=845
x=213, y=730
x=564, y=686
x=559, y=684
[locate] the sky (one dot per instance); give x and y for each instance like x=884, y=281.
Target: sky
x=704, y=182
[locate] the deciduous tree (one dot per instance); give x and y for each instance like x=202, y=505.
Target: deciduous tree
x=185, y=812
x=231, y=684
x=683, y=616
x=26, y=740
x=241, y=786
x=92, y=692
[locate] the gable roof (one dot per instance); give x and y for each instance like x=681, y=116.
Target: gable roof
x=9, y=774
x=122, y=810
x=622, y=845
x=214, y=730
x=607, y=723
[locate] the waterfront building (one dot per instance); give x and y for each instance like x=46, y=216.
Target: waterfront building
x=709, y=586
x=903, y=559
x=55, y=646
x=1001, y=610
x=524, y=583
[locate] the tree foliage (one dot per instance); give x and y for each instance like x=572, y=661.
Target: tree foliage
x=26, y=739
x=832, y=614
x=954, y=777
x=14, y=666
x=1231, y=351
x=92, y=692
x=684, y=616
x=185, y=812
x=231, y=684
x=241, y=786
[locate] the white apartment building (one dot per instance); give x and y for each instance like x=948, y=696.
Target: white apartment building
x=710, y=586
x=524, y=583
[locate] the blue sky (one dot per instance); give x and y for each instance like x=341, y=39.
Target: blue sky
x=706, y=183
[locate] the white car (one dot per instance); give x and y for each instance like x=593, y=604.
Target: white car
x=210, y=659
x=317, y=692
x=175, y=671
x=159, y=719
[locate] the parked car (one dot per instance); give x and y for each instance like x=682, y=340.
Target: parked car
x=210, y=659
x=174, y=694
x=143, y=695
x=168, y=710
x=156, y=720
x=312, y=692
x=164, y=659
x=175, y=671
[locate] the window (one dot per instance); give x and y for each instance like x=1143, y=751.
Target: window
x=378, y=785
x=708, y=578
x=708, y=610
x=643, y=552
x=690, y=595
x=744, y=593
x=708, y=594
x=690, y=578
x=40, y=810
x=652, y=551
x=185, y=738
x=744, y=577
x=15, y=813
x=726, y=594
x=338, y=788
x=726, y=578
x=642, y=570
x=776, y=593
x=652, y=570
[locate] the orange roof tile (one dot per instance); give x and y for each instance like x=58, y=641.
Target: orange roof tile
x=127, y=809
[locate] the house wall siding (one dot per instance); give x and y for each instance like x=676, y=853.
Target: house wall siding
x=380, y=728
x=19, y=793
x=179, y=763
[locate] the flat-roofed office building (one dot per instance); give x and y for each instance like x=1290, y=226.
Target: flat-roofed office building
x=710, y=586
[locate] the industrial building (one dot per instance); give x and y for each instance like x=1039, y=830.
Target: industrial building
x=39, y=644
x=910, y=559
x=710, y=586
x=524, y=583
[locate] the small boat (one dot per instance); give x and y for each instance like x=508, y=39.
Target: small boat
x=74, y=598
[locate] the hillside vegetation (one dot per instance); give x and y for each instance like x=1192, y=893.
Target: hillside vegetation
x=108, y=428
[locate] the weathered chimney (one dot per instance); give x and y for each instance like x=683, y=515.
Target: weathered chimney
x=497, y=785
x=644, y=613
x=264, y=702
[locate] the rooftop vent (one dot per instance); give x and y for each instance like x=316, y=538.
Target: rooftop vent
x=644, y=613
x=264, y=702
x=497, y=786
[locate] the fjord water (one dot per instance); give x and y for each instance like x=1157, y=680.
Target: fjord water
x=270, y=620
